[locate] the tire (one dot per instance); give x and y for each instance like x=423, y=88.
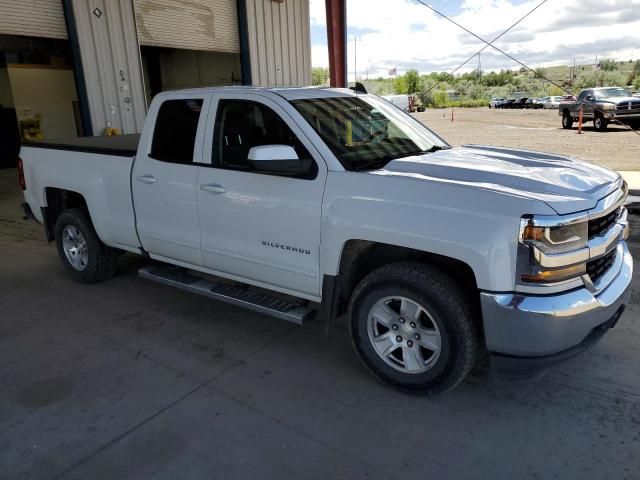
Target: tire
x=85, y=257
x=599, y=122
x=567, y=120
x=443, y=320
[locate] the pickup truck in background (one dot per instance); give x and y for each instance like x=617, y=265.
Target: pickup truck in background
x=306, y=202
x=602, y=105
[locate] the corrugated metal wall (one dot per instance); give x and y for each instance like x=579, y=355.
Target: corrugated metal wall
x=33, y=18
x=279, y=42
x=111, y=64
x=208, y=25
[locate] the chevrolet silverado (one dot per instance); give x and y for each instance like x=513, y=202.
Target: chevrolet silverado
x=306, y=202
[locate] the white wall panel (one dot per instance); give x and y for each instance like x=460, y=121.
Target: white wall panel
x=279, y=42
x=111, y=63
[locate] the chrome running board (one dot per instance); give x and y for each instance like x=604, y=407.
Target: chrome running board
x=240, y=296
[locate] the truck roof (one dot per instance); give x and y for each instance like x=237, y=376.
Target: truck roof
x=290, y=93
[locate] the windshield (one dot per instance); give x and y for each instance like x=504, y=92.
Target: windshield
x=611, y=92
x=366, y=132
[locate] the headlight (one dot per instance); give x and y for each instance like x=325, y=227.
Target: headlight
x=540, y=246
x=560, y=239
x=607, y=106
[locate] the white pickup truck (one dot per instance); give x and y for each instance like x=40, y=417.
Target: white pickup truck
x=325, y=202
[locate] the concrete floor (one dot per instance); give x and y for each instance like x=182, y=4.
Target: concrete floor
x=130, y=379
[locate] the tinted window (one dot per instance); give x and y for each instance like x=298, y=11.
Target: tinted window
x=175, y=130
x=241, y=125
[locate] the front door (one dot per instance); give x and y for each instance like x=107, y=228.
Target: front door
x=164, y=182
x=587, y=104
x=256, y=227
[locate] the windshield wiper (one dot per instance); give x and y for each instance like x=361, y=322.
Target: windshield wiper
x=435, y=148
x=379, y=163
x=370, y=164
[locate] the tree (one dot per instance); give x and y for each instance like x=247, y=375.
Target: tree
x=608, y=65
x=400, y=85
x=540, y=73
x=635, y=72
x=412, y=80
x=319, y=76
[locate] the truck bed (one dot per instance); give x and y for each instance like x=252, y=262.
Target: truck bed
x=117, y=145
x=96, y=168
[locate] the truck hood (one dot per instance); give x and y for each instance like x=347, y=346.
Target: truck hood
x=618, y=100
x=564, y=184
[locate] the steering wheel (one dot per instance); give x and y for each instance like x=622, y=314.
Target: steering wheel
x=382, y=134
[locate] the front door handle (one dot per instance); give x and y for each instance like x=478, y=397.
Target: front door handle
x=213, y=188
x=146, y=179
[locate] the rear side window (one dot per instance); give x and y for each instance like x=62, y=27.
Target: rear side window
x=175, y=131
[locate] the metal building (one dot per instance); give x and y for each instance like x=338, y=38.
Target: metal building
x=86, y=67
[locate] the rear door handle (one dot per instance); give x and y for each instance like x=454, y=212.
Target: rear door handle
x=146, y=179
x=213, y=188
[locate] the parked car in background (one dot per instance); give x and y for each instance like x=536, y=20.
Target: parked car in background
x=553, y=102
x=495, y=101
x=521, y=102
x=403, y=102
x=300, y=202
x=508, y=103
x=601, y=105
x=533, y=103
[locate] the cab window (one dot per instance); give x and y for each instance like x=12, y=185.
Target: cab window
x=241, y=125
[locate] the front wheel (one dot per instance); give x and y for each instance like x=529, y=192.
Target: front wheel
x=599, y=122
x=567, y=120
x=413, y=328
x=83, y=254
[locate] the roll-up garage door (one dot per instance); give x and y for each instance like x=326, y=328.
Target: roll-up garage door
x=209, y=25
x=33, y=18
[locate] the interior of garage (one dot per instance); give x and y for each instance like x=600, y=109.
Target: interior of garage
x=38, y=95
x=174, y=68
x=38, y=83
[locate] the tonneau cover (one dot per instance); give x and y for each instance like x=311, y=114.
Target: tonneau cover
x=119, y=145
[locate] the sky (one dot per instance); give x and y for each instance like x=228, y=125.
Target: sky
x=383, y=34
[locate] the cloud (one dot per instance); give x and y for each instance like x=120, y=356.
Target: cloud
x=403, y=33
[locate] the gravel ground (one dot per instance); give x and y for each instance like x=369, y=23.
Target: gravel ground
x=617, y=148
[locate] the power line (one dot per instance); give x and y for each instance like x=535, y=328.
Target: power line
x=490, y=44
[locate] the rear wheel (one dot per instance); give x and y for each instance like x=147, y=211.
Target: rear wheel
x=567, y=120
x=413, y=328
x=83, y=254
x=599, y=122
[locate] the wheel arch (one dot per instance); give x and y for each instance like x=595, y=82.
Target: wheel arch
x=361, y=257
x=57, y=201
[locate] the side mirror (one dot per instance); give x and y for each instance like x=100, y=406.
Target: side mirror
x=590, y=98
x=281, y=159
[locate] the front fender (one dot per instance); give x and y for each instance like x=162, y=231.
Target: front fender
x=475, y=226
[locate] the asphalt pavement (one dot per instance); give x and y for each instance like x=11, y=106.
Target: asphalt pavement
x=131, y=379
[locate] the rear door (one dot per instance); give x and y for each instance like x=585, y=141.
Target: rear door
x=257, y=227
x=164, y=180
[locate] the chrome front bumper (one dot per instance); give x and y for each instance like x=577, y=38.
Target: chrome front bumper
x=521, y=325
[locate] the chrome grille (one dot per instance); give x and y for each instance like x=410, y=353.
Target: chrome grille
x=598, y=267
x=598, y=226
